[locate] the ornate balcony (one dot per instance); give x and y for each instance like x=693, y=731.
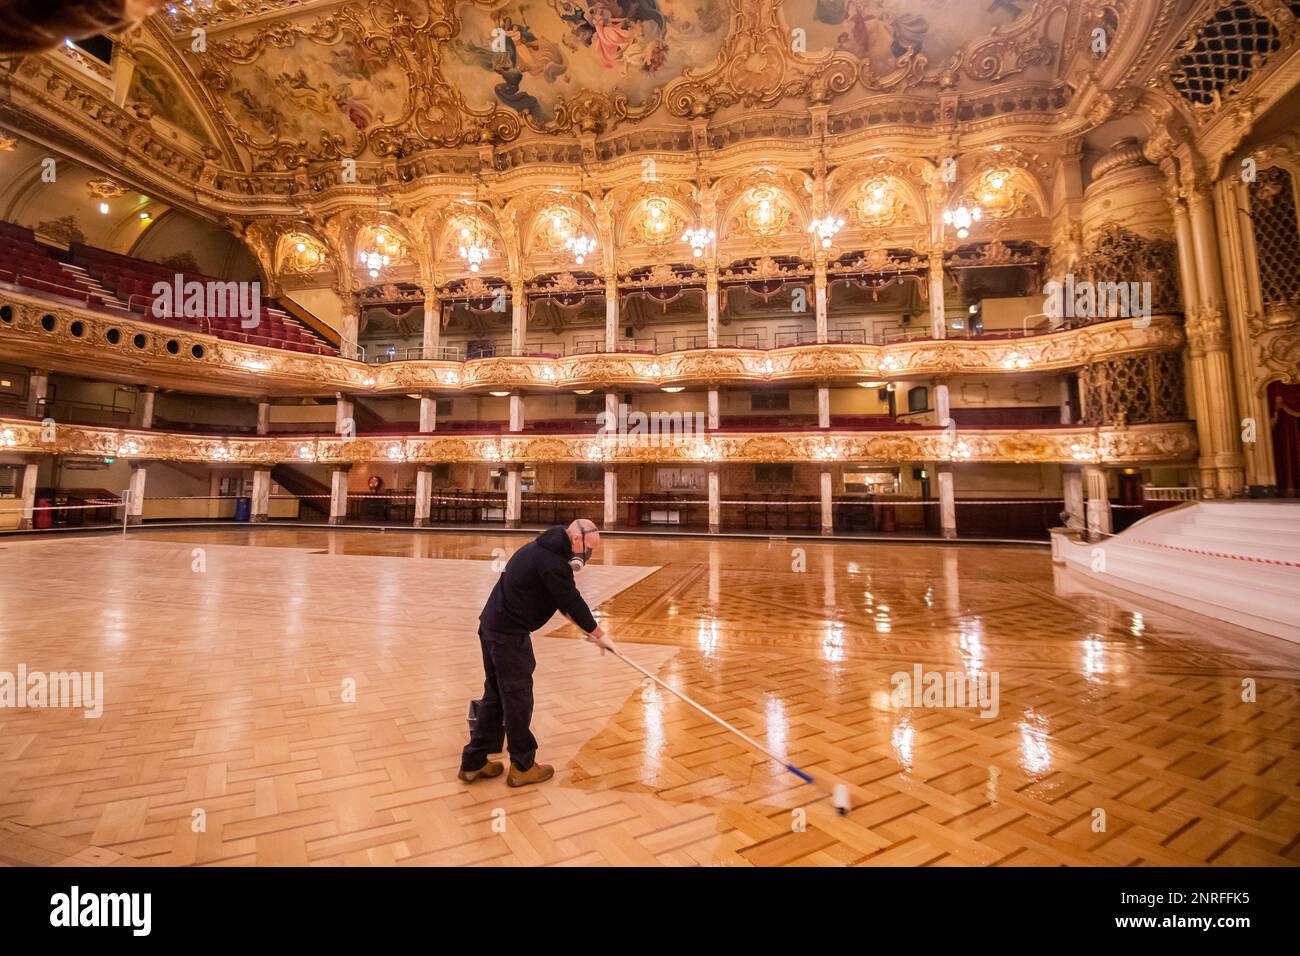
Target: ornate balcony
x=81, y=341
x=1168, y=442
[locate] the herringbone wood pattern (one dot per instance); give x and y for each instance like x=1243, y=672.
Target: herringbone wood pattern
x=224, y=694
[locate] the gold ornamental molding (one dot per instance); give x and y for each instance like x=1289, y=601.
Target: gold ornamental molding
x=82, y=342
x=1069, y=445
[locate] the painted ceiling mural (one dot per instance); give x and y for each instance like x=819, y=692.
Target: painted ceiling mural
x=526, y=55
x=886, y=35
x=154, y=88
x=396, y=76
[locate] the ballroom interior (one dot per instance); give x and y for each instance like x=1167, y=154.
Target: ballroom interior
x=873, y=334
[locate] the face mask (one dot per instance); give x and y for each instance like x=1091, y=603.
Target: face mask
x=579, y=561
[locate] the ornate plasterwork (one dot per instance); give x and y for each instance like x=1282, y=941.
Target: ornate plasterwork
x=232, y=368
x=102, y=188
x=1144, y=443
x=447, y=84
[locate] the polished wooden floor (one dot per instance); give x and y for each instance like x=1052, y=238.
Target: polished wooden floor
x=225, y=703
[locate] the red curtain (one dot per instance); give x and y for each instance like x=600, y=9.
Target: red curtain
x=1284, y=408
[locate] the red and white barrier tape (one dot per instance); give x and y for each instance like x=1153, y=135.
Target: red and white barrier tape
x=1219, y=554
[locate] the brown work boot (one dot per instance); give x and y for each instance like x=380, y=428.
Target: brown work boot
x=538, y=773
x=492, y=768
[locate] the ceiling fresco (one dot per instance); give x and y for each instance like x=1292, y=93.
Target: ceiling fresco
x=384, y=77
x=526, y=56
x=153, y=87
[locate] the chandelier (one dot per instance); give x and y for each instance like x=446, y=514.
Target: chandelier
x=473, y=247
x=961, y=217
x=375, y=259
x=699, y=239
x=581, y=247
x=826, y=229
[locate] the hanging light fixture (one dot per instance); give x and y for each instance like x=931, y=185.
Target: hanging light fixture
x=699, y=239
x=473, y=246
x=825, y=229
x=962, y=217
x=581, y=247
x=375, y=259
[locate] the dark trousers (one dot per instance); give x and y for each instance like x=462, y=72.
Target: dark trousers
x=506, y=709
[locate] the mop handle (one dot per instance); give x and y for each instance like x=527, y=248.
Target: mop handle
x=710, y=714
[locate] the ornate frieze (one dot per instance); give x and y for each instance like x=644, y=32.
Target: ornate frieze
x=154, y=354
x=1066, y=445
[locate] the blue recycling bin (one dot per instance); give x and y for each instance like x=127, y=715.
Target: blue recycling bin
x=243, y=509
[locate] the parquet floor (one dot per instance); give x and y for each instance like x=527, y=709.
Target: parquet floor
x=225, y=703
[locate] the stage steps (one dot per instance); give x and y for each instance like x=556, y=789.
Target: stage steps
x=1237, y=561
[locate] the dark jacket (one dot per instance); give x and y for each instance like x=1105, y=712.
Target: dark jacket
x=536, y=583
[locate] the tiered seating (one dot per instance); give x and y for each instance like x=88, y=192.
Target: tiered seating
x=132, y=282
x=33, y=265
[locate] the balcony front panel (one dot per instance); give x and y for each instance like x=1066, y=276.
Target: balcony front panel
x=1169, y=442
x=85, y=342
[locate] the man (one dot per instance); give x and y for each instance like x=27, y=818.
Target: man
x=537, y=582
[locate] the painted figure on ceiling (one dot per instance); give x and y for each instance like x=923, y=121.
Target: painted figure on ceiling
x=875, y=32
x=624, y=33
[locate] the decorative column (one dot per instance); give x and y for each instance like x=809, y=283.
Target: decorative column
x=1072, y=491
x=423, y=495
x=711, y=290
x=947, y=501
x=514, y=497
x=828, y=502
x=611, y=497
x=516, y=412
x=611, y=313
x=938, y=317
x=819, y=295
x=611, y=414
x=135, y=492
x=349, y=332
x=1094, y=477
x=713, y=408
x=823, y=406
x=519, y=316
x=1067, y=415
x=214, y=489
x=942, y=404
x=264, y=416
x=715, y=500
x=261, y=494
x=144, y=413
x=339, y=494
x=1246, y=303
x=28, y=496
x=343, y=420
x=38, y=386
x=432, y=325
x=1209, y=344
x=428, y=412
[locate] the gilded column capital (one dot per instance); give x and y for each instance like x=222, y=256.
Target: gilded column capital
x=1207, y=331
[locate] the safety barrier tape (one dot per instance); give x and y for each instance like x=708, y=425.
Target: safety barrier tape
x=96, y=505
x=1219, y=554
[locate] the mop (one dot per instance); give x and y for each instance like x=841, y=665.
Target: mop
x=840, y=792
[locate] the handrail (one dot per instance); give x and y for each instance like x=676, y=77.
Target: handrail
x=1171, y=493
